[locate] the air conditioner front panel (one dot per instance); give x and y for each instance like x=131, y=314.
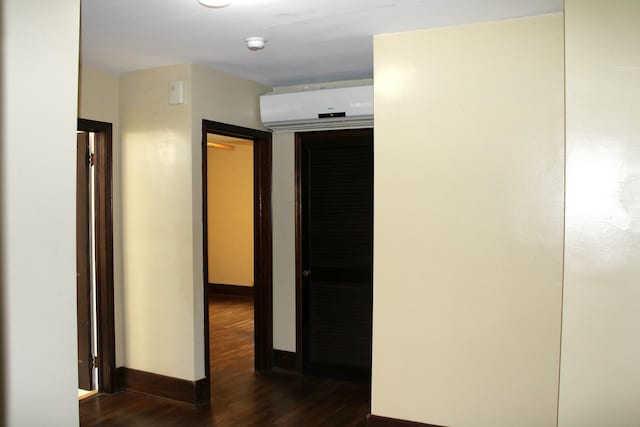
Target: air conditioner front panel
x=298, y=107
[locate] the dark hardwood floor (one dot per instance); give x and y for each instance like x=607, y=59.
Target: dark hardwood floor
x=240, y=397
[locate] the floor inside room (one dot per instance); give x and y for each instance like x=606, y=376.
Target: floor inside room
x=83, y=394
x=240, y=396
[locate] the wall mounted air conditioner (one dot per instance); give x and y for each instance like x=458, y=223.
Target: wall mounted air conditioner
x=345, y=107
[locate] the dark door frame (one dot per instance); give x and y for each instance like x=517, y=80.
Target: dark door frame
x=104, y=252
x=298, y=237
x=262, y=247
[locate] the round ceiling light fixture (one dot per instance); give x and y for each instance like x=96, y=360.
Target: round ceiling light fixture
x=255, y=43
x=215, y=3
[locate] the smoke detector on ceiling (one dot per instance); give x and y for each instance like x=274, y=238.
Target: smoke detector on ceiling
x=255, y=43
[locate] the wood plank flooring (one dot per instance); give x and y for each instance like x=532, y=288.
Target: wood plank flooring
x=240, y=397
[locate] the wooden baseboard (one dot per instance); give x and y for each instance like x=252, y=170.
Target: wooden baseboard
x=219, y=288
x=191, y=392
x=285, y=361
x=377, y=421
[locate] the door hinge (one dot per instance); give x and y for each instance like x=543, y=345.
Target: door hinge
x=94, y=362
x=90, y=159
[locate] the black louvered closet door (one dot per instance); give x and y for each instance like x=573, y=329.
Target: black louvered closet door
x=337, y=252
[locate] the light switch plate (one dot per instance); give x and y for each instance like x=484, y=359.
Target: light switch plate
x=176, y=92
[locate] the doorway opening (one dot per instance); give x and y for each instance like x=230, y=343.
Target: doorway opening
x=94, y=259
x=236, y=169
x=334, y=253
x=230, y=248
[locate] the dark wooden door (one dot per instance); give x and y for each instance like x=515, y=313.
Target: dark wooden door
x=83, y=281
x=336, y=173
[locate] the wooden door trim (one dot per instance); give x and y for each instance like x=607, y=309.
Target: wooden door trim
x=83, y=264
x=298, y=249
x=263, y=250
x=299, y=136
x=104, y=253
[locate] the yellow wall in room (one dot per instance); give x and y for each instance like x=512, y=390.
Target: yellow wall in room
x=468, y=227
x=230, y=213
x=600, y=379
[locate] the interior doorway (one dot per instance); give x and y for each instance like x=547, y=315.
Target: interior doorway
x=220, y=141
x=94, y=258
x=230, y=262
x=334, y=247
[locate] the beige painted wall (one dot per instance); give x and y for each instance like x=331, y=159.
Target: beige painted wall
x=225, y=98
x=98, y=100
x=600, y=379
x=469, y=223
x=157, y=245
x=98, y=96
x=284, y=248
x=38, y=358
x=230, y=213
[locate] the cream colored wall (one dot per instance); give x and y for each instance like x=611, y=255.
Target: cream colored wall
x=157, y=245
x=230, y=213
x=98, y=96
x=39, y=72
x=469, y=223
x=225, y=98
x=600, y=379
x=98, y=100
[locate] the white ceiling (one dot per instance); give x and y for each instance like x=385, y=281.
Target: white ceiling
x=307, y=40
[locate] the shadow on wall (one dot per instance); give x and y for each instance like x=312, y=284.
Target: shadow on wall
x=3, y=283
